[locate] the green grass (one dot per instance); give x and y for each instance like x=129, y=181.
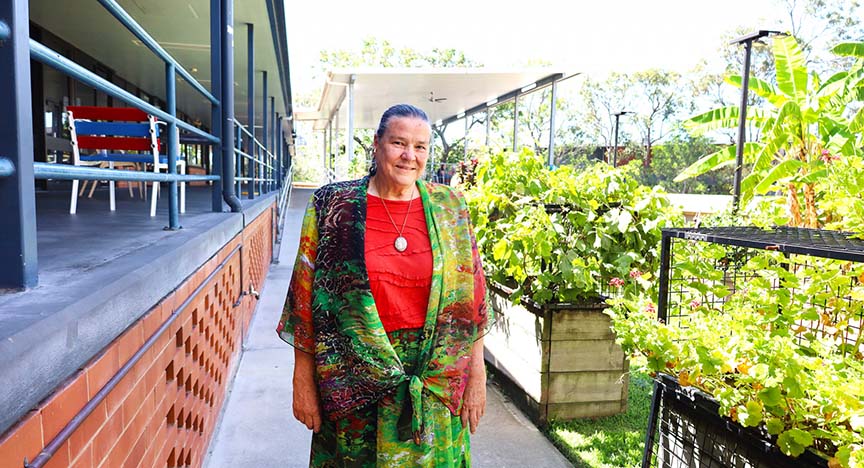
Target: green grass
x=610, y=442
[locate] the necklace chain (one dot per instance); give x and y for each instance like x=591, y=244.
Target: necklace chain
x=401, y=243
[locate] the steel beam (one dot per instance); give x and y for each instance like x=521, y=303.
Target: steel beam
x=17, y=193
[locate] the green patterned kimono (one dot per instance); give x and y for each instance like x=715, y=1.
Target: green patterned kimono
x=388, y=400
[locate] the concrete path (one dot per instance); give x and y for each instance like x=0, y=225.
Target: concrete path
x=257, y=427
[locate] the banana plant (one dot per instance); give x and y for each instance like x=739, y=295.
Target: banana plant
x=803, y=129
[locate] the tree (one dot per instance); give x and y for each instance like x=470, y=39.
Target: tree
x=804, y=130
x=656, y=96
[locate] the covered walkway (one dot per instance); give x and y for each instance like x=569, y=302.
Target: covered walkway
x=257, y=428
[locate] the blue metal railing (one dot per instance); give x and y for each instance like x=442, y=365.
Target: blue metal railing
x=6, y=167
x=67, y=172
x=139, y=32
x=53, y=59
x=263, y=164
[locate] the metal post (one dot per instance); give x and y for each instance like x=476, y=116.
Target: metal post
x=742, y=121
x=653, y=416
x=488, y=123
x=615, y=148
x=350, y=144
x=216, y=109
x=227, y=30
x=515, y=122
x=17, y=192
x=552, y=124
x=277, y=149
x=263, y=147
x=270, y=159
x=171, y=98
x=251, y=149
x=465, y=141
x=665, y=262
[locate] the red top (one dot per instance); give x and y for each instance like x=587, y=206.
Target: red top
x=400, y=281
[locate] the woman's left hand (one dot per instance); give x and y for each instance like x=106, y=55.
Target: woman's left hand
x=474, y=400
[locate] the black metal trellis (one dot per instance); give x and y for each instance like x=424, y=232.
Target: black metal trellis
x=691, y=431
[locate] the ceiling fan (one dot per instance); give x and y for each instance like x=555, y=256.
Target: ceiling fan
x=432, y=97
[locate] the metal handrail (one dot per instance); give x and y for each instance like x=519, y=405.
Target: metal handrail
x=76, y=421
x=67, y=172
x=7, y=167
x=249, y=156
x=254, y=139
x=41, y=53
x=139, y=32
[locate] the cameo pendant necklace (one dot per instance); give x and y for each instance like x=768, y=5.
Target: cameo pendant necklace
x=400, y=244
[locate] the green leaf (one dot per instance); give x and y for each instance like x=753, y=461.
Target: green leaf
x=853, y=49
x=794, y=441
x=774, y=425
x=771, y=396
x=500, y=249
x=761, y=88
x=713, y=161
x=724, y=117
x=781, y=171
x=750, y=415
x=791, y=68
x=857, y=122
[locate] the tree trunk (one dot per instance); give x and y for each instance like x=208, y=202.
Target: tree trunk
x=793, y=205
x=810, y=206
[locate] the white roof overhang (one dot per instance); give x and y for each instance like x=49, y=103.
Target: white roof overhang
x=442, y=93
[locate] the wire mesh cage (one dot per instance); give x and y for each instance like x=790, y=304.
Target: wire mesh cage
x=807, y=280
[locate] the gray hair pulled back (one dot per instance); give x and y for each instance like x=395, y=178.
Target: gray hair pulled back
x=394, y=112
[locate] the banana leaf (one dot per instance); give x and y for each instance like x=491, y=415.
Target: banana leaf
x=761, y=88
x=857, y=122
x=849, y=49
x=784, y=170
x=791, y=68
x=716, y=160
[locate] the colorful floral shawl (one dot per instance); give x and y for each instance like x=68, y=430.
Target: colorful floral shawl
x=329, y=310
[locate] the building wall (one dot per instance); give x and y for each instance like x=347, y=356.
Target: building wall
x=162, y=413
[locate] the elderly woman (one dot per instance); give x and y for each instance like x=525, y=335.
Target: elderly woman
x=386, y=311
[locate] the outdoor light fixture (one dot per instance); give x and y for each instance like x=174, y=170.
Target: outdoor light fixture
x=747, y=40
x=528, y=88
x=615, y=149
x=491, y=102
x=460, y=115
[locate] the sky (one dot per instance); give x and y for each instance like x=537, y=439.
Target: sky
x=594, y=37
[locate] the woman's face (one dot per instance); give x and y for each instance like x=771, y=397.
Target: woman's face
x=402, y=151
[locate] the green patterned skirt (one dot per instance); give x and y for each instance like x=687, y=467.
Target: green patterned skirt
x=369, y=437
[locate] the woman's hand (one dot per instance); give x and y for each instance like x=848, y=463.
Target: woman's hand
x=307, y=408
x=474, y=400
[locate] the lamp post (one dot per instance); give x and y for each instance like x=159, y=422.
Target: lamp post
x=615, y=149
x=747, y=40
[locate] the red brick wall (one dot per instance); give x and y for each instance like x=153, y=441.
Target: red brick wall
x=163, y=412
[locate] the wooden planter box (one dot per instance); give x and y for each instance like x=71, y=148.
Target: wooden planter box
x=557, y=362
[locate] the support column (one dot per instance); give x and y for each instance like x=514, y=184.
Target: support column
x=277, y=148
x=216, y=109
x=488, y=124
x=263, y=148
x=251, y=148
x=465, y=141
x=515, y=122
x=349, y=145
x=17, y=192
x=171, y=98
x=552, y=124
x=271, y=172
x=227, y=30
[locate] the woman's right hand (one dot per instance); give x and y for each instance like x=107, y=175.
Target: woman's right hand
x=307, y=408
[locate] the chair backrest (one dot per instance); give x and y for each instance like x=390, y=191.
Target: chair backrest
x=112, y=129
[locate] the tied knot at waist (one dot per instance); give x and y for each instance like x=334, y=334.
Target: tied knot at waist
x=410, y=423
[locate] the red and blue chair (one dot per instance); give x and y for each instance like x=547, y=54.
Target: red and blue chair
x=118, y=136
